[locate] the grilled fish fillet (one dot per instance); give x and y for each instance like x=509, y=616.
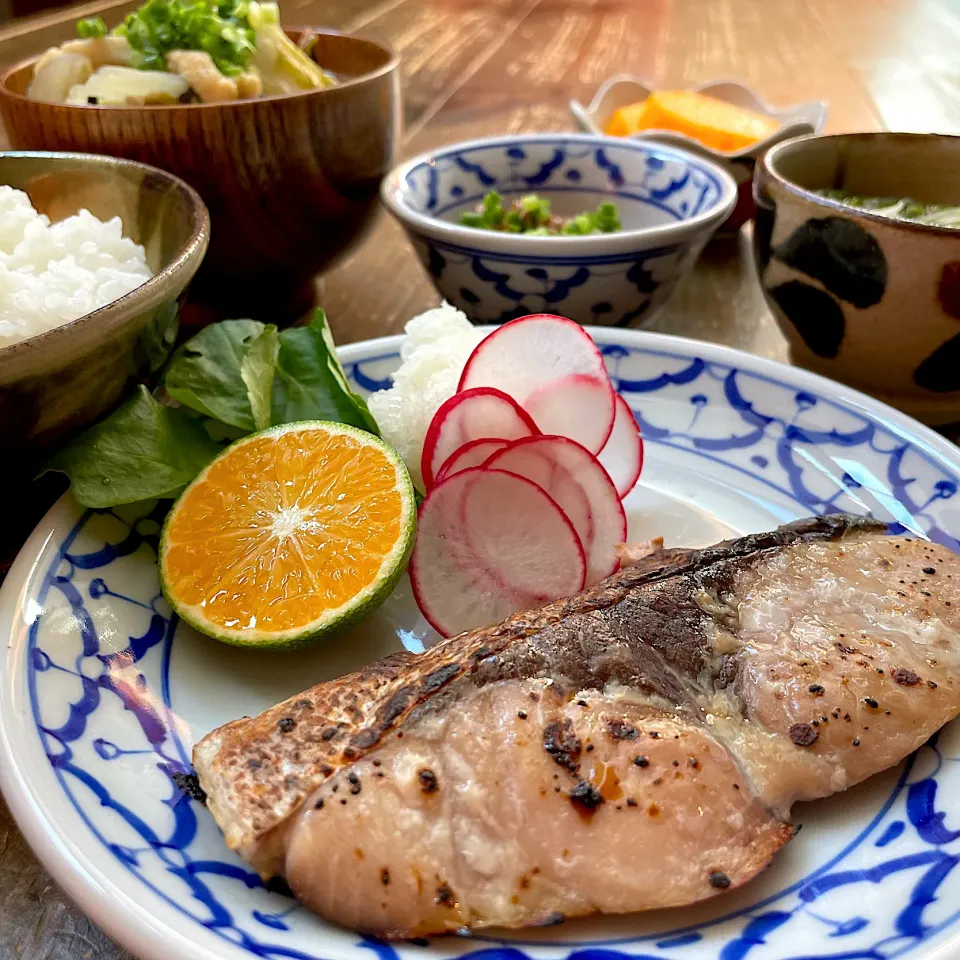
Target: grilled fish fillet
x=633, y=747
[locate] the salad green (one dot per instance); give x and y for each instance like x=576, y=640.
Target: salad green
x=143, y=450
x=309, y=383
x=532, y=215
x=233, y=378
x=207, y=373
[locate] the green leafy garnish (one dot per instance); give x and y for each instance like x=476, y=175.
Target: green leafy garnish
x=91, y=27
x=257, y=370
x=310, y=383
x=233, y=378
x=140, y=452
x=532, y=215
x=220, y=29
x=205, y=375
x=602, y=220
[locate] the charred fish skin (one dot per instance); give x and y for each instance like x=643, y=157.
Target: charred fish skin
x=738, y=646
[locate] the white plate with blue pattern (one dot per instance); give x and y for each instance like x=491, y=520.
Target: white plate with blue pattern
x=103, y=693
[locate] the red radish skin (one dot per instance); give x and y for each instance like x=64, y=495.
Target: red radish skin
x=477, y=414
x=526, y=355
x=572, y=407
x=622, y=455
x=471, y=454
x=577, y=476
x=490, y=543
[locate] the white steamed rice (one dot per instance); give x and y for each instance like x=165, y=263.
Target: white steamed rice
x=51, y=274
x=434, y=353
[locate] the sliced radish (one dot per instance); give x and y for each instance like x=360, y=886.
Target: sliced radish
x=490, y=543
x=524, y=356
x=622, y=455
x=571, y=407
x=479, y=414
x=540, y=463
x=471, y=454
x=574, y=478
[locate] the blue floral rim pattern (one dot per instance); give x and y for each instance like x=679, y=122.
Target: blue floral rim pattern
x=677, y=183
x=774, y=449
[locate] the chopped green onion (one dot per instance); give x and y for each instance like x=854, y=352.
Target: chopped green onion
x=533, y=216
x=219, y=29
x=91, y=27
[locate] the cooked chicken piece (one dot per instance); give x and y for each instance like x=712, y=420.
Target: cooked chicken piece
x=249, y=85
x=633, y=747
x=100, y=51
x=199, y=70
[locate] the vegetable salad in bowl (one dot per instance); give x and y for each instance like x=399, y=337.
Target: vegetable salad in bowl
x=179, y=51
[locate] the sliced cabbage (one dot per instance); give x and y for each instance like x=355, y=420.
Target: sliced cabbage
x=119, y=86
x=283, y=66
x=53, y=81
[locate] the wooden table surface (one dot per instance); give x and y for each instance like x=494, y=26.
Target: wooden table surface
x=478, y=67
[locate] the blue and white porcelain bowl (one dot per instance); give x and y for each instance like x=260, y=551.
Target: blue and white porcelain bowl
x=670, y=203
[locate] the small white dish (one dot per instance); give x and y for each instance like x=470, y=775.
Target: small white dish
x=103, y=692
x=620, y=91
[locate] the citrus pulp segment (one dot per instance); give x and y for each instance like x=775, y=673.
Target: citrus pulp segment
x=289, y=534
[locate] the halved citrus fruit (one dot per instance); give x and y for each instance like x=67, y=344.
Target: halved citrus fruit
x=288, y=535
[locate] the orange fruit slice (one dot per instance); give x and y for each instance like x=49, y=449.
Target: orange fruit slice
x=288, y=535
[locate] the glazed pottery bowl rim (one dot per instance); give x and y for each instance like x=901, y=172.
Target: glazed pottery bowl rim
x=766, y=168
x=390, y=66
x=394, y=192
x=150, y=294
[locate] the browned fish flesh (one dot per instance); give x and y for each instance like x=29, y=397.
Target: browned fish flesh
x=633, y=747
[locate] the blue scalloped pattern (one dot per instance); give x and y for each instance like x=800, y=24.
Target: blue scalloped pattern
x=818, y=453
x=676, y=183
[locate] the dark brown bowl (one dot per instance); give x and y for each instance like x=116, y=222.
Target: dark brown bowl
x=60, y=381
x=291, y=182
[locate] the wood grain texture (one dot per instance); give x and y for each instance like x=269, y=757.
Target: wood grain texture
x=476, y=67
x=290, y=182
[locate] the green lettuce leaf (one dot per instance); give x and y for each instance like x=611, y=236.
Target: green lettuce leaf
x=310, y=383
x=233, y=378
x=142, y=451
x=205, y=373
x=257, y=370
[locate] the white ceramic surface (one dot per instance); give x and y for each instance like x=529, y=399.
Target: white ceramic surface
x=624, y=89
x=103, y=692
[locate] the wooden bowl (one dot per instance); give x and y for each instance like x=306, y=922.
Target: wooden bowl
x=290, y=182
